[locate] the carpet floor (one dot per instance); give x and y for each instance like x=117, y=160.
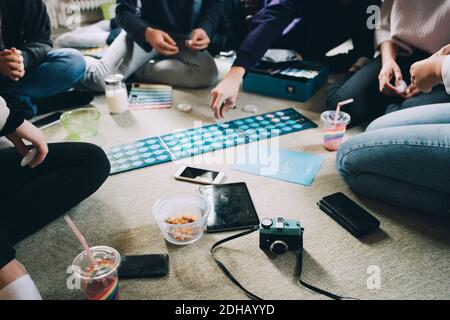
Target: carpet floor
x=410, y=251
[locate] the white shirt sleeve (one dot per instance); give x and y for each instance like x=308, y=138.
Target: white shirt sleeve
x=4, y=113
x=446, y=73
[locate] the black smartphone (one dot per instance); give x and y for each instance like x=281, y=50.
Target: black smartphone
x=349, y=214
x=231, y=207
x=48, y=121
x=146, y=266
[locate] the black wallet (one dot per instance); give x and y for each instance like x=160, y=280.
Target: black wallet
x=147, y=266
x=349, y=214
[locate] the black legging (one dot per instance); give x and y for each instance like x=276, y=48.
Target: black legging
x=31, y=199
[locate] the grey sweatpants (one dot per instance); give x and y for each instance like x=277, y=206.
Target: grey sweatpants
x=186, y=69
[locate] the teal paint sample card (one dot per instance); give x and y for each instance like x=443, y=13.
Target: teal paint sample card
x=291, y=166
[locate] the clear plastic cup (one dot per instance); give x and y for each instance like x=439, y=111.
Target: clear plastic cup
x=334, y=131
x=100, y=282
x=177, y=205
x=81, y=123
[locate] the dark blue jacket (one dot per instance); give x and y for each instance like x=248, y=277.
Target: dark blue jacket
x=25, y=25
x=171, y=16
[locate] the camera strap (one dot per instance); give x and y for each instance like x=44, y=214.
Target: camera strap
x=225, y=270
x=253, y=296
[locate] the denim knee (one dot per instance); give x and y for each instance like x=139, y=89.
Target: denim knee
x=346, y=158
x=73, y=63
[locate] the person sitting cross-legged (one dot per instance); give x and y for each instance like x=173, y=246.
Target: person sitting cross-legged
x=58, y=178
x=30, y=68
x=165, y=44
x=410, y=31
x=403, y=158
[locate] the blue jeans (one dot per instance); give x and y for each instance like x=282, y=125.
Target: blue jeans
x=59, y=72
x=403, y=159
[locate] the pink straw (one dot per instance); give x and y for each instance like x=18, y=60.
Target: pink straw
x=83, y=242
x=80, y=238
x=338, y=108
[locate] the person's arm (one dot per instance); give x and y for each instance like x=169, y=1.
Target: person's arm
x=18, y=131
x=37, y=33
x=384, y=33
x=268, y=26
x=389, y=69
x=4, y=114
x=209, y=17
x=446, y=73
x=141, y=32
x=10, y=119
x=428, y=73
x=388, y=49
x=126, y=16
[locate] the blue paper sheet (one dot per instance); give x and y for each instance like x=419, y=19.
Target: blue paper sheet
x=296, y=167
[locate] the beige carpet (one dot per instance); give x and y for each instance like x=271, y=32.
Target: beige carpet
x=411, y=249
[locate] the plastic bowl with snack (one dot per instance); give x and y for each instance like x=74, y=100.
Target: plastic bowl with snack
x=182, y=217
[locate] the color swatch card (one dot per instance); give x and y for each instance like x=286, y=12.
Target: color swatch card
x=299, y=73
x=291, y=166
x=143, y=153
x=234, y=133
x=150, y=96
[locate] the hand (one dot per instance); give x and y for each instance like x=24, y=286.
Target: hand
x=11, y=64
x=161, y=42
x=445, y=51
x=224, y=96
x=411, y=91
x=427, y=74
x=30, y=133
x=389, y=70
x=199, y=40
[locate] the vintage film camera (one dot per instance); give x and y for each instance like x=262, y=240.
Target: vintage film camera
x=280, y=235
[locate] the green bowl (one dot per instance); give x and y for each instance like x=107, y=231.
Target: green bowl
x=81, y=123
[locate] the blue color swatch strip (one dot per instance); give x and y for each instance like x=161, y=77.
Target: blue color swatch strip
x=192, y=142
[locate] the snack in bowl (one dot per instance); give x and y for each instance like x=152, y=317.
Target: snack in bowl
x=182, y=216
x=183, y=233
x=181, y=220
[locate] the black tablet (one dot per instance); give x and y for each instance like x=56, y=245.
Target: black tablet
x=231, y=207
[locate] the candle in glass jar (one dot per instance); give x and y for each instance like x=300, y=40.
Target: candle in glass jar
x=116, y=94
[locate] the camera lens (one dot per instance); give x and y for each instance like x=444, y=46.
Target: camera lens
x=279, y=247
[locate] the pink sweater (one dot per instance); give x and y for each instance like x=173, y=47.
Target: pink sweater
x=415, y=24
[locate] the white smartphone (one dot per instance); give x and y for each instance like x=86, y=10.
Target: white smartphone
x=197, y=175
